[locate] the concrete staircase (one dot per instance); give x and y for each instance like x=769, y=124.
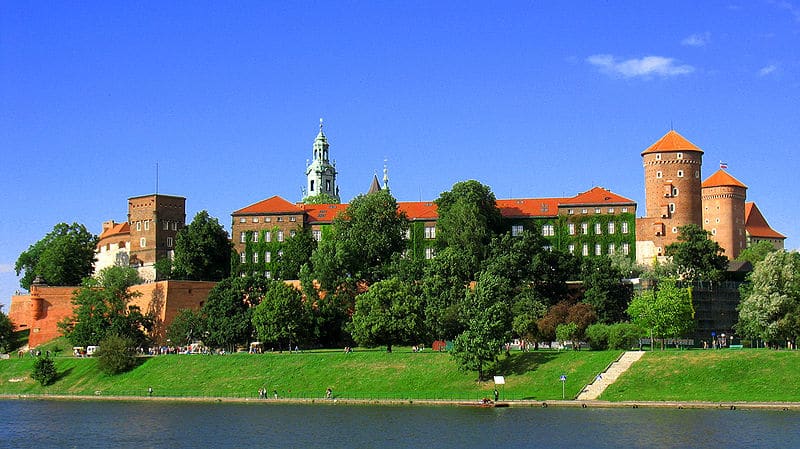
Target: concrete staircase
x=594, y=389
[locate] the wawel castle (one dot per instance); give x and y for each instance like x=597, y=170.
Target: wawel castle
x=591, y=223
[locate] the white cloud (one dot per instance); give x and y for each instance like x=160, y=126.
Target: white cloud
x=644, y=67
x=764, y=71
x=697, y=40
x=6, y=268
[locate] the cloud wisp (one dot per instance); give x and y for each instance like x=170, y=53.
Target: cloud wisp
x=645, y=67
x=697, y=40
x=764, y=71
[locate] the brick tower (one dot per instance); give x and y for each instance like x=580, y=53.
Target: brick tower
x=672, y=186
x=723, y=212
x=154, y=224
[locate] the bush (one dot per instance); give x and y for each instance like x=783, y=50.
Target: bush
x=44, y=371
x=597, y=336
x=116, y=355
x=624, y=335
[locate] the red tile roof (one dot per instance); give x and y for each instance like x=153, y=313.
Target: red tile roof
x=672, y=141
x=722, y=178
x=529, y=207
x=756, y=225
x=323, y=213
x=117, y=229
x=273, y=205
x=419, y=210
x=597, y=195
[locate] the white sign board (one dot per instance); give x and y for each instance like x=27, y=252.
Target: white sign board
x=499, y=380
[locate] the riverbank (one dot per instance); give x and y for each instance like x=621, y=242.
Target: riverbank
x=784, y=406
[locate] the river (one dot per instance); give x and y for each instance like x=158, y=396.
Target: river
x=85, y=425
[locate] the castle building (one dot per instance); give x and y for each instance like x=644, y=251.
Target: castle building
x=675, y=197
x=147, y=237
x=320, y=173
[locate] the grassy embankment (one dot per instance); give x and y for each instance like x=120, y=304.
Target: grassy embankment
x=749, y=375
x=363, y=374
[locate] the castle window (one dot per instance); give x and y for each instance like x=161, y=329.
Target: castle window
x=242, y=237
x=584, y=211
x=680, y=173
x=143, y=242
x=624, y=210
x=268, y=274
x=280, y=254
x=429, y=253
x=430, y=232
x=243, y=257
x=584, y=228
x=597, y=210
x=714, y=231
x=138, y=225
x=598, y=250
x=147, y=225
x=279, y=219
x=292, y=233
x=570, y=211
x=280, y=235
x=674, y=230
x=548, y=230
x=611, y=249
x=327, y=185
x=267, y=257
x=626, y=248
x=311, y=189
x=672, y=208
x=516, y=230
x=697, y=173
x=585, y=250
x=255, y=219
x=658, y=156
x=317, y=234
x=611, y=227
x=674, y=191
x=597, y=230
x=242, y=220
x=610, y=210
x=571, y=248
x=717, y=220
x=174, y=225
x=658, y=174
x=165, y=225
x=292, y=219
x=268, y=236
x=571, y=227
x=255, y=257
x=169, y=242
x=680, y=155
x=624, y=227
x=267, y=219
x=255, y=237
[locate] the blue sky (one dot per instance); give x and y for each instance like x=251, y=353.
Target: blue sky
x=535, y=99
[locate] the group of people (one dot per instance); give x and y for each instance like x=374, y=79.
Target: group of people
x=262, y=393
x=419, y=348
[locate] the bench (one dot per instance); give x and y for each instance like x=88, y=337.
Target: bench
x=735, y=347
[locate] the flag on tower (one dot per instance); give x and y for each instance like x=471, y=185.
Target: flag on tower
x=723, y=165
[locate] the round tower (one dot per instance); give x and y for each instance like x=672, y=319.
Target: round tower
x=672, y=185
x=723, y=211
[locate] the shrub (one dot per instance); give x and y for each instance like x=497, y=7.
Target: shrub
x=624, y=335
x=116, y=355
x=597, y=336
x=44, y=371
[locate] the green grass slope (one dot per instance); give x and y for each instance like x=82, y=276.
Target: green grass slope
x=363, y=374
x=750, y=375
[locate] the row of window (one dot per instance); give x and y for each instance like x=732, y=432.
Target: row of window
x=660, y=175
x=598, y=210
x=266, y=219
x=598, y=228
x=165, y=225
x=598, y=249
x=267, y=257
x=267, y=236
x=143, y=243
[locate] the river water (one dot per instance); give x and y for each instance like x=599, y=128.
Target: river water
x=85, y=425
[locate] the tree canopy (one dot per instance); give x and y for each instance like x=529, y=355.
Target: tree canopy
x=756, y=253
x=604, y=290
x=697, y=257
x=282, y=316
x=770, y=306
x=202, y=250
x=297, y=251
x=389, y=313
x=62, y=257
x=227, y=312
x=7, y=340
x=666, y=310
x=102, y=308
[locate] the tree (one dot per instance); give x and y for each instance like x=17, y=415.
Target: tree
x=282, y=316
x=756, y=253
x=527, y=309
x=363, y=242
x=444, y=287
x=488, y=325
x=227, y=312
x=666, y=310
x=770, y=306
x=565, y=312
x=44, y=371
x=697, y=257
x=7, y=338
x=297, y=251
x=116, y=355
x=389, y=313
x=101, y=308
x=202, y=250
x=62, y=257
x=468, y=220
x=185, y=327
x=604, y=290
x=569, y=332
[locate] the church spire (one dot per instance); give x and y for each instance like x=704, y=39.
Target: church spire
x=385, y=175
x=321, y=174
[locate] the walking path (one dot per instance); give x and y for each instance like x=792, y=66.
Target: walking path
x=596, y=388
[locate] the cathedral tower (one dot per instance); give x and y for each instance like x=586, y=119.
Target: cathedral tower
x=320, y=173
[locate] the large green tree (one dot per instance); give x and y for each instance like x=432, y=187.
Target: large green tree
x=604, y=290
x=186, y=327
x=468, y=220
x=7, y=340
x=227, y=312
x=770, y=306
x=62, y=257
x=282, y=317
x=444, y=287
x=389, y=313
x=697, y=257
x=202, y=250
x=487, y=314
x=665, y=310
x=102, y=308
x=756, y=253
x=363, y=242
x=297, y=252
